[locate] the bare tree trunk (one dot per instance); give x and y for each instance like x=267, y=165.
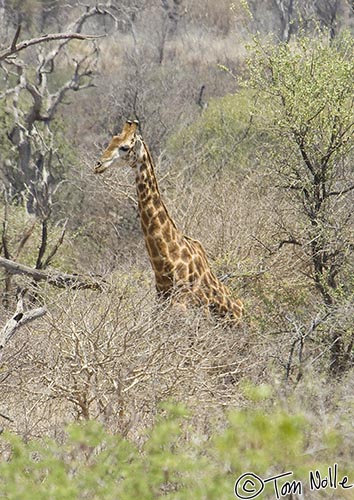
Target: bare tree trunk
x=286, y=13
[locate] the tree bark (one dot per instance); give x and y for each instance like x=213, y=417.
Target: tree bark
x=55, y=278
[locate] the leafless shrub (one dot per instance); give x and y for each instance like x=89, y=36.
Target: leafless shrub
x=116, y=357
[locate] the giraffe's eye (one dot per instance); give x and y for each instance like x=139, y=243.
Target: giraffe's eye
x=124, y=148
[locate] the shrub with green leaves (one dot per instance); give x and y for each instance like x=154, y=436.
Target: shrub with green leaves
x=307, y=89
x=220, y=138
x=175, y=460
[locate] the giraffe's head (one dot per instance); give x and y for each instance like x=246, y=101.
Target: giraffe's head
x=121, y=149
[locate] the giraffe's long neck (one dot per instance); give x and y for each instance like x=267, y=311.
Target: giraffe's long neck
x=159, y=229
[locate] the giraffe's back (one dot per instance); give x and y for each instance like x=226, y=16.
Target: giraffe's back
x=188, y=274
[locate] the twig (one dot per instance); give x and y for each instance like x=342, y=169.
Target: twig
x=6, y=417
x=6, y=251
x=17, y=34
x=43, y=246
x=4, y=241
x=202, y=104
x=56, y=247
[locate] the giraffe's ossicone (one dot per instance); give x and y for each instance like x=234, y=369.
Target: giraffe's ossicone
x=180, y=263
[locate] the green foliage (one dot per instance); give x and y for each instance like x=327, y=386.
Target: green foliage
x=174, y=462
x=24, y=235
x=307, y=88
x=220, y=138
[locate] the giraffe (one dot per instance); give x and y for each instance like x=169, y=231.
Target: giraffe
x=179, y=262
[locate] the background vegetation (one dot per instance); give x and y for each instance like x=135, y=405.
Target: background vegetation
x=248, y=110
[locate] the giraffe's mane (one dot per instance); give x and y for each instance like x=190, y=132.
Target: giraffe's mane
x=156, y=183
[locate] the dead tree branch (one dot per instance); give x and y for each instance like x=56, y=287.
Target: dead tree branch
x=55, y=278
x=20, y=318
x=15, y=48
